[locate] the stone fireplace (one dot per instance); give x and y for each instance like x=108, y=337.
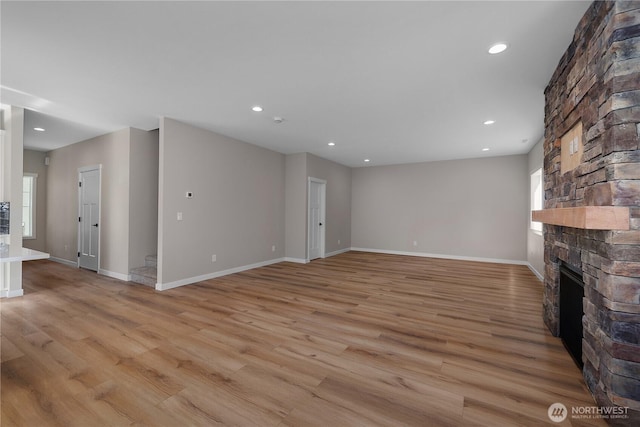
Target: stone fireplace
x=595, y=92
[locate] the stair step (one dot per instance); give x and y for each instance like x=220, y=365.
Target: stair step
x=145, y=276
x=151, y=261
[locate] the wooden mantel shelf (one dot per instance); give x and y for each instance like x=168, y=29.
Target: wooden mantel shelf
x=586, y=217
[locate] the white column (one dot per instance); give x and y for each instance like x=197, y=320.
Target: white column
x=12, y=169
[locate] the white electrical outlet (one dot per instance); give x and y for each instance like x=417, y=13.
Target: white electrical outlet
x=213, y=258
x=415, y=243
x=338, y=241
x=573, y=146
x=273, y=248
x=179, y=216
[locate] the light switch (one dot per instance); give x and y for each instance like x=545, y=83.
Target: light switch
x=179, y=216
x=571, y=148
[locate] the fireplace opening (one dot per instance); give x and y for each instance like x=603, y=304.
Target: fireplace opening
x=571, y=311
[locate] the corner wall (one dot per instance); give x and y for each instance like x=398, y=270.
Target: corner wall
x=296, y=207
x=237, y=211
x=300, y=167
x=128, y=229
x=338, y=202
x=143, y=195
x=112, y=151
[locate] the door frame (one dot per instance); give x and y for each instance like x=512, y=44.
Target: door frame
x=82, y=169
x=323, y=203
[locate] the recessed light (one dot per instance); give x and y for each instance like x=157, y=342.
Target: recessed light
x=367, y=160
x=489, y=122
x=39, y=129
x=331, y=144
x=256, y=108
x=497, y=48
x=485, y=149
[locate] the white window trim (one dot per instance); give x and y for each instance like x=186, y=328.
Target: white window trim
x=33, y=205
x=535, y=226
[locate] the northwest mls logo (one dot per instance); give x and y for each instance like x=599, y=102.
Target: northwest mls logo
x=557, y=412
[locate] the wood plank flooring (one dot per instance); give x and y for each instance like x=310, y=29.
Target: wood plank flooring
x=358, y=339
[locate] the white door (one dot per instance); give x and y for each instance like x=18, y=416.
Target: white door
x=89, y=218
x=316, y=212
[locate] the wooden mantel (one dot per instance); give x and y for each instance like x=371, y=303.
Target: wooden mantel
x=586, y=217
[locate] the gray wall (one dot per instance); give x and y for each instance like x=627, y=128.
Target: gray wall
x=128, y=211
x=34, y=163
x=238, y=208
x=338, y=201
x=143, y=195
x=300, y=167
x=296, y=207
x=535, y=241
x=248, y=199
x=112, y=151
x=475, y=208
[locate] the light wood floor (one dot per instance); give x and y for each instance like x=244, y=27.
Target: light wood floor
x=353, y=340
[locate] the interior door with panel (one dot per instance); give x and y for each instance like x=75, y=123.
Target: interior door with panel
x=316, y=213
x=89, y=218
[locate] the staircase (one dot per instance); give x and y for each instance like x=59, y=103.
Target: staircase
x=148, y=274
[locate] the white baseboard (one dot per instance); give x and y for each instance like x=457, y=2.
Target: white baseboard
x=296, y=260
x=64, y=261
x=327, y=255
x=11, y=293
x=534, y=271
x=443, y=256
x=196, y=279
x=114, y=275
x=338, y=252
x=101, y=271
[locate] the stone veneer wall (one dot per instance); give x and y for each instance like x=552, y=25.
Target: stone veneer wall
x=598, y=82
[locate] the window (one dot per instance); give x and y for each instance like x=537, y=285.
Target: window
x=537, y=198
x=29, y=205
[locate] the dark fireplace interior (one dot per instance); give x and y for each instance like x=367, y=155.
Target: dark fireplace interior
x=571, y=311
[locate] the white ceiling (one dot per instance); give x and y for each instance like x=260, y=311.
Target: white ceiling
x=396, y=82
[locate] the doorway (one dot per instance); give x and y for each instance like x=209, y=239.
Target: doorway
x=316, y=218
x=89, y=217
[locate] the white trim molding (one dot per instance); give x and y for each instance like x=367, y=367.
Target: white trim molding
x=534, y=271
x=456, y=257
x=296, y=260
x=196, y=279
x=11, y=293
x=73, y=264
x=338, y=252
x=101, y=271
x=33, y=196
x=114, y=275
